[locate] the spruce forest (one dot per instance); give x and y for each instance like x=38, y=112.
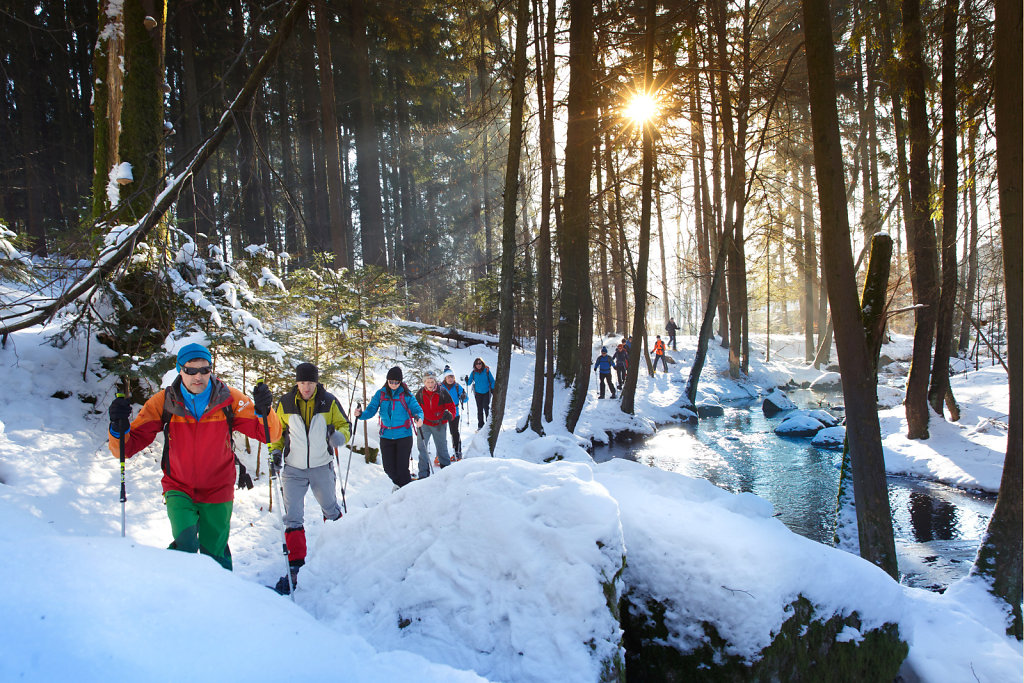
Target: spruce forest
x=312, y=179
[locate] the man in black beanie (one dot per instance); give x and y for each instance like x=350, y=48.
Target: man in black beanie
x=320, y=426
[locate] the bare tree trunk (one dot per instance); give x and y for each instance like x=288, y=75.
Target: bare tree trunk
x=508, y=239
x=971, y=241
x=921, y=233
x=999, y=559
x=810, y=262
x=939, y=392
x=371, y=212
x=874, y=519
x=643, y=249
x=576, y=323
x=341, y=242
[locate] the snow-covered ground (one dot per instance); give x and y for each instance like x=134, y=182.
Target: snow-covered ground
x=494, y=569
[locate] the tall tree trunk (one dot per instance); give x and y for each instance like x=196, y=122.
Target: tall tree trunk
x=308, y=140
x=508, y=229
x=874, y=519
x=999, y=560
x=939, y=392
x=341, y=241
x=971, y=241
x=602, y=247
x=921, y=233
x=371, y=212
x=195, y=208
x=618, y=243
x=810, y=262
x=643, y=248
x=575, y=349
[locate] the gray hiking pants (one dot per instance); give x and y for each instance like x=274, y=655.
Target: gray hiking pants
x=296, y=480
x=440, y=436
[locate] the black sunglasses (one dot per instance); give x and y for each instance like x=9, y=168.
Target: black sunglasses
x=205, y=370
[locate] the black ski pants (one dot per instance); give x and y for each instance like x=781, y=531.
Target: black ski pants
x=664, y=363
x=605, y=378
x=672, y=340
x=483, y=408
x=620, y=375
x=394, y=455
x=453, y=428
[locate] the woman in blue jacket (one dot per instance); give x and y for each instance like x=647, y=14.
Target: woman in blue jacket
x=483, y=382
x=399, y=413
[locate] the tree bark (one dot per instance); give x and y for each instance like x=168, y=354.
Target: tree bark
x=371, y=212
x=576, y=348
x=341, y=241
x=999, y=560
x=939, y=392
x=920, y=233
x=508, y=228
x=643, y=248
x=871, y=494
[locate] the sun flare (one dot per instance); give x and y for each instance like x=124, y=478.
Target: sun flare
x=641, y=108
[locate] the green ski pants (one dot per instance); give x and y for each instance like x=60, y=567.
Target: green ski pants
x=199, y=527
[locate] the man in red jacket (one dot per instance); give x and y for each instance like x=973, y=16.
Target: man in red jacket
x=197, y=414
x=438, y=408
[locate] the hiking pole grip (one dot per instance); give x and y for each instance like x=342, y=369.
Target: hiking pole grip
x=124, y=493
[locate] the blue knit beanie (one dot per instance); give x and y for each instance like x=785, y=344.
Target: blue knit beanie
x=192, y=352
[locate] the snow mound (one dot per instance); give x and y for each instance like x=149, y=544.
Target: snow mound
x=712, y=556
x=554, y=448
x=824, y=417
x=107, y=609
x=499, y=566
x=827, y=382
x=830, y=437
x=776, y=402
x=800, y=424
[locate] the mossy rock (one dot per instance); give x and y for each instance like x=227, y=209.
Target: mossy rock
x=804, y=649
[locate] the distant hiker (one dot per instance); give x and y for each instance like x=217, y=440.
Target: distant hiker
x=197, y=414
x=459, y=398
x=603, y=367
x=671, y=328
x=659, y=354
x=438, y=408
x=313, y=426
x=621, y=360
x=628, y=341
x=399, y=413
x=483, y=383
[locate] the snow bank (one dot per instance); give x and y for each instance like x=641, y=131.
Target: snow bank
x=722, y=558
x=499, y=566
x=107, y=609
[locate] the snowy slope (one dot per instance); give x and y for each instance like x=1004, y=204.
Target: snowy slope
x=487, y=559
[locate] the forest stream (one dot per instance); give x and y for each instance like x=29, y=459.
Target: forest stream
x=937, y=527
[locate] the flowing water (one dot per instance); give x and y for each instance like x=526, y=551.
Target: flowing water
x=937, y=527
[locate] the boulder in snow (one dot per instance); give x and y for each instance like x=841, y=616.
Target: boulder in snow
x=775, y=403
x=824, y=417
x=829, y=381
x=800, y=424
x=830, y=437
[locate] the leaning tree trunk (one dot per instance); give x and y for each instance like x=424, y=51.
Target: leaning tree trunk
x=874, y=520
x=999, y=558
x=508, y=228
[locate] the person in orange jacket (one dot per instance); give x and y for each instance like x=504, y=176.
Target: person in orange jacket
x=659, y=354
x=197, y=414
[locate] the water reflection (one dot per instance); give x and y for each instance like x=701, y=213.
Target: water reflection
x=937, y=527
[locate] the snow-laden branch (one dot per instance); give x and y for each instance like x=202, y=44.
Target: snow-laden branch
x=121, y=240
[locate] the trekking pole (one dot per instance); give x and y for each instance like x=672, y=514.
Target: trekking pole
x=337, y=462
x=359, y=407
x=280, y=493
x=124, y=495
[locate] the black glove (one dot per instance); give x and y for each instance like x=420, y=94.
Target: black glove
x=262, y=399
x=275, y=462
x=120, y=415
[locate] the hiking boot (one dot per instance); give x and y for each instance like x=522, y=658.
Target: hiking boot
x=283, y=587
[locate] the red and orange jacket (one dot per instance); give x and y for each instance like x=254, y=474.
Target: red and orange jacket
x=201, y=463
x=659, y=348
